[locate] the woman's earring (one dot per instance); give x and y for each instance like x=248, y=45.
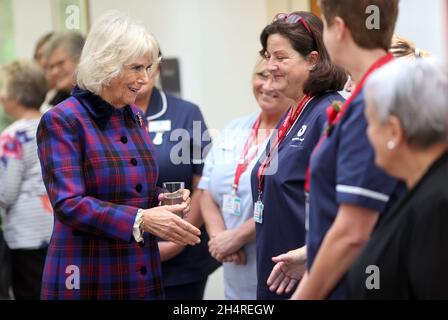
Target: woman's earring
x=391, y=145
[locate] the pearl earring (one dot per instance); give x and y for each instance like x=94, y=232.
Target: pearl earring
x=391, y=145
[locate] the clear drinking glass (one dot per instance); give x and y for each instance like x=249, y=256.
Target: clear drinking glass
x=173, y=192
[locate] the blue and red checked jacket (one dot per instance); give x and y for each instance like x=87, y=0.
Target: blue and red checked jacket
x=98, y=168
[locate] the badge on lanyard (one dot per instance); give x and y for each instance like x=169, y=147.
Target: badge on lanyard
x=283, y=130
x=258, y=211
x=231, y=204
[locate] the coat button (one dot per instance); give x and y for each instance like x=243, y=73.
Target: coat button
x=134, y=161
x=124, y=139
x=143, y=270
x=138, y=187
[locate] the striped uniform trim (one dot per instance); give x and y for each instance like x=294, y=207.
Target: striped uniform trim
x=363, y=192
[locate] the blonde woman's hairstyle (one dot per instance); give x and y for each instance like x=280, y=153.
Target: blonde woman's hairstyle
x=404, y=48
x=113, y=41
x=24, y=80
x=261, y=66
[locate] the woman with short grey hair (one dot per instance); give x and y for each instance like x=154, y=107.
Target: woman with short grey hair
x=100, y=173
x=407, y=112
x=28, y=222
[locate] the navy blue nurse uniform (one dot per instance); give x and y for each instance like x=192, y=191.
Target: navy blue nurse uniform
x=283, y=197
x=179, y=151
x=343, y=171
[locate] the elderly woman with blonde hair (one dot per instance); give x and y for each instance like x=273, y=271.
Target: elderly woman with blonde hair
x=407, y=114
x=100, y=173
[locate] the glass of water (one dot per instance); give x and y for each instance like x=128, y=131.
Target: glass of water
x=173, y=192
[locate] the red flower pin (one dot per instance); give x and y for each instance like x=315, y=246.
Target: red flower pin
x=332, y=113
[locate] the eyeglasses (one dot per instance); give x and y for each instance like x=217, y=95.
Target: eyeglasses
x=293, y=18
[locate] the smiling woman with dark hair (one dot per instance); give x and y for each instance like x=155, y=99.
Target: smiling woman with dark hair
x=347, y=191
x=302, y=71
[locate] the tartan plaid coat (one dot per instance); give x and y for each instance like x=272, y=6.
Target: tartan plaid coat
x=98, y=168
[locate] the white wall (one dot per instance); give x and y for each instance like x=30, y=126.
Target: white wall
x=32, y=19
x=424, y=23
x=216, y=42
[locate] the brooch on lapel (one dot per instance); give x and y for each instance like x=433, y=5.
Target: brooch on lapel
x=140, y=119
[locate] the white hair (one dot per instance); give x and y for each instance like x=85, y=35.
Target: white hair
x=113, y=41
x=416, y=91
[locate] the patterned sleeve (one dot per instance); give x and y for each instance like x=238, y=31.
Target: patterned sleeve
x=11, y=169
x=60, y=154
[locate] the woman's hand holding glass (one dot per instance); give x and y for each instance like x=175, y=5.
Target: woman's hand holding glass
x=166, y=223
x=175, y=193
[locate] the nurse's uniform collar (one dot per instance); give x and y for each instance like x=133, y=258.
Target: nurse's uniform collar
x=164, y=105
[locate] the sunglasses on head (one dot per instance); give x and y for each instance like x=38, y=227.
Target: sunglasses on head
x=293, y=18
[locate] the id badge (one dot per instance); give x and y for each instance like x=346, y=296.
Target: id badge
x=227, y=145
x=159, y=126
x=231, y=204
x=258, y=211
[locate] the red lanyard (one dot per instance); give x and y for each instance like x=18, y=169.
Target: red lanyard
x=359, y=86
x=283, y=130
x=243, y=163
